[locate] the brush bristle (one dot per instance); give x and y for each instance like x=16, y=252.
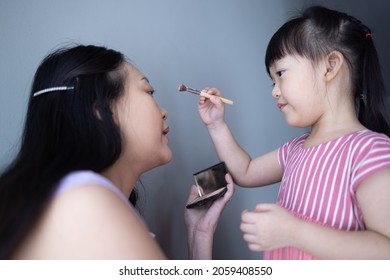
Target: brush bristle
x=182, y=87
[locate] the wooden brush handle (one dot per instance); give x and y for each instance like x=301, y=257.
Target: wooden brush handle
x=224, y=100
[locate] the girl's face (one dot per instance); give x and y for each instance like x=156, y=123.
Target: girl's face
x=299, y=90
x=142, y=123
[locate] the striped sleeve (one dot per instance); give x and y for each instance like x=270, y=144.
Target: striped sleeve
x=286, y=149
x=373, y=156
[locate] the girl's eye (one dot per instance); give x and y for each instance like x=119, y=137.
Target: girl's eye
x=151, y=92
x=279, y=73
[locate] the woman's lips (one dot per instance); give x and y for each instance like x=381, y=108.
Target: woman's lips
x=166, y=131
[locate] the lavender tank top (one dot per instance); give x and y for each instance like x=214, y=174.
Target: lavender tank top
x=79, y=178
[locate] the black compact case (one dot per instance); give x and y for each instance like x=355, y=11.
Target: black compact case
x=210, y=183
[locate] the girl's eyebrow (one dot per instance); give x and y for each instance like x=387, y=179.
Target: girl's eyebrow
x=272, y=72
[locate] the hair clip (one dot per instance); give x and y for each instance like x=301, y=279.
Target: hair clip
x=51, y=89
x=368, y=34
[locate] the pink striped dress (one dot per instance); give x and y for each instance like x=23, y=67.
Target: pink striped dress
x=319, y=183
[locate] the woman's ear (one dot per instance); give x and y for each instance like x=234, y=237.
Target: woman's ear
x=98, y=114
x=96, y=111
x=334, y=62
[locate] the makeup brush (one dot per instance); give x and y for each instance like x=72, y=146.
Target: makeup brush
x=201, y=93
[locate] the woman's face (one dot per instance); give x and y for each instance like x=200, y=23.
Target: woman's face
x=142, y=123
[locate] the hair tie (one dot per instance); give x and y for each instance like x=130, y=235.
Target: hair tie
x=51, y=89
x=368, y=35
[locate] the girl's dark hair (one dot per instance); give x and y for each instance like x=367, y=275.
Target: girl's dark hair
x=319, y=31
x=64, y=131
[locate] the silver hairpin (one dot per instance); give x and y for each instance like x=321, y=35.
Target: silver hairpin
x=51, y=89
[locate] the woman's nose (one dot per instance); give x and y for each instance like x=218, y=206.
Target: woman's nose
x=164, y=113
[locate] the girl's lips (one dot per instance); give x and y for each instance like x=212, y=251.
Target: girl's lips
x=281, y=106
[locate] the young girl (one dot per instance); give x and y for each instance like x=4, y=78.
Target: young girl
x=92, y=129
x=334, y=197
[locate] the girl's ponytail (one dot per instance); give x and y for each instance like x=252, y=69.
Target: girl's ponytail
x=372, y=110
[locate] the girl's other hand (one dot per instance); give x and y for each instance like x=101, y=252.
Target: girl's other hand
x=268, y=227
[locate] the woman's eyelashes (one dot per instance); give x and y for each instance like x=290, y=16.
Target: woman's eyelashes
x=150, y=91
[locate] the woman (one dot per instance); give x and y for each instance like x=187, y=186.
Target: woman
x=92, y=128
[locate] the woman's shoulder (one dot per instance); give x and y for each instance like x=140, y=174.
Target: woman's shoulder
x=77, y=179
x=90, y=221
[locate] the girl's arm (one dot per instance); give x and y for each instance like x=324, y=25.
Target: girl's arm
x=374, y=243
x=270, y=226
x=247, y=172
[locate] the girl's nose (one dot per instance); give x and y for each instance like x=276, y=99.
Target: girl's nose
x=276, y=91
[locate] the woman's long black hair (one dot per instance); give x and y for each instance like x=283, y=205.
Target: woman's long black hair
x=319, y=31
x=64, y=131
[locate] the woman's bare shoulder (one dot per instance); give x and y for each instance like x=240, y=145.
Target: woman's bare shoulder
x=89, y=222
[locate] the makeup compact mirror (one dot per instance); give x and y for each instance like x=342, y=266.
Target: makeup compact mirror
x=210, y=183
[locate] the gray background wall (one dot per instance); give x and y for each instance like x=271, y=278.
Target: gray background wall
x=201, y=43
